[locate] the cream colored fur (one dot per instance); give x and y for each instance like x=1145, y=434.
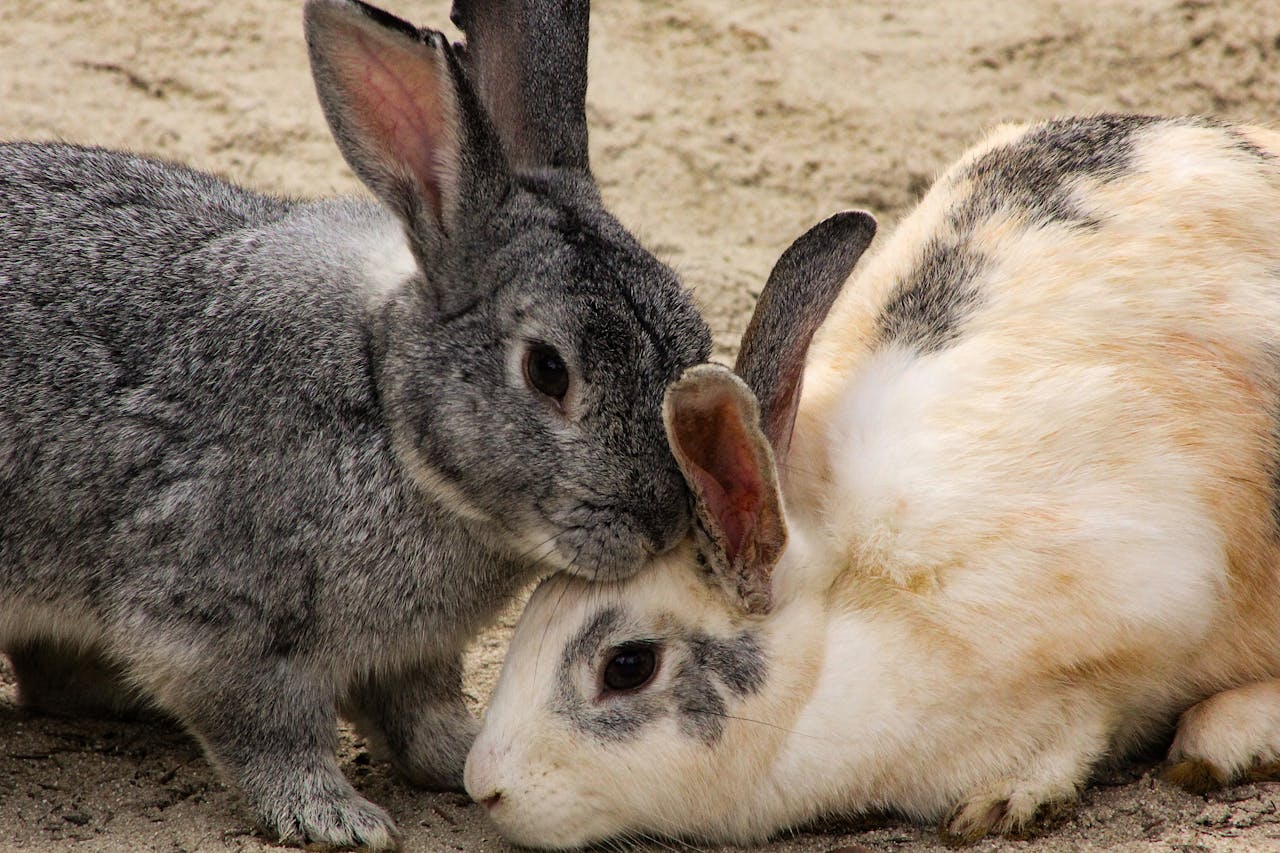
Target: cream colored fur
x=1010, y=558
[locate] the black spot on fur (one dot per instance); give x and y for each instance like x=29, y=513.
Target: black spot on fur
x=1034, y=173
x=1247, y=146
x=926, y=309
x=1032, y=177
x=706, y=668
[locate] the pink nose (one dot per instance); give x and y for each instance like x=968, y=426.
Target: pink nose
x=481, y=775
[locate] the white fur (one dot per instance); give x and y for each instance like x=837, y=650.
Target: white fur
x=389, y=264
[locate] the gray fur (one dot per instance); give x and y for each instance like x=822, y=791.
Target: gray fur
x=926, y=309
x=1034, y=175
x=800, y=291
x=706, y=673
x=213, y=433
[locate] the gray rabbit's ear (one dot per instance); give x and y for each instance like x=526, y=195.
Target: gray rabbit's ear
x=528, y=61
x=713, y=427
x=405, y=118
x=800, y=291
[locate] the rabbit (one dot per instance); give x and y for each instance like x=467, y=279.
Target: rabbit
x=264, y=461
x=1012, y=511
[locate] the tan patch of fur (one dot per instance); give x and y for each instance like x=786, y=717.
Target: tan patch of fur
x=1196, y=777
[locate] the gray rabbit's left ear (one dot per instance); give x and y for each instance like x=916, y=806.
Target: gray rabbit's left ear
x=407, y=122
x=800, y=291
x=528, y=62
x=713, y=427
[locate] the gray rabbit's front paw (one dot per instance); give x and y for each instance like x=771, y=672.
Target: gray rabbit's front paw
x=273, y=730
x=314, y=815
x=438, y=753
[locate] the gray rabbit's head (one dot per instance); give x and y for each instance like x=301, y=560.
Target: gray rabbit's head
x=523, y=362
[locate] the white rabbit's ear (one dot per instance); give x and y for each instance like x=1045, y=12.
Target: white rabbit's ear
x=713, y=426
x=405, y=118
x=528, y=62
x=800, y=291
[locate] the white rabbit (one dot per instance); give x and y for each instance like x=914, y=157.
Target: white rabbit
x=1033, y=511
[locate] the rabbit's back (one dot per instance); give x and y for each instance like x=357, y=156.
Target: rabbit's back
x=1052, y=395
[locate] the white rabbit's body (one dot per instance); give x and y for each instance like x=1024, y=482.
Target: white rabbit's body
x=1033, y=514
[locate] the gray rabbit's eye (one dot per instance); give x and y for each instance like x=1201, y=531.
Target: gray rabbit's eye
x=630, y=666
x=545, y=371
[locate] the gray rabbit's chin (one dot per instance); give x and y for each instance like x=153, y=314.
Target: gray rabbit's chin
x=600, y=553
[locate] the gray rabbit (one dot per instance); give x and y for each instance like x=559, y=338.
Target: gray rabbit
x=262, y=460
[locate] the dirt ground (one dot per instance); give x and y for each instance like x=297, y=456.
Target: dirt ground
x=720, y=130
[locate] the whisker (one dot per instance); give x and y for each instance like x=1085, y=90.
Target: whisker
x=525, y=555
x=712, y=713
x=546, y=628
x=818, y=475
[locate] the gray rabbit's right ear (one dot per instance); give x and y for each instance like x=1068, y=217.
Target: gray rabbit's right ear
x=528, y=60
x=713, y=428
x=800, y=291
x=405, y=119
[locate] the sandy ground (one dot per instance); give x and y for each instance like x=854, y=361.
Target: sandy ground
x=720, y=130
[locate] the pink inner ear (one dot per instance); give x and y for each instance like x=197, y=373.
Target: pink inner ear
x=724, y=471
x=397, y=99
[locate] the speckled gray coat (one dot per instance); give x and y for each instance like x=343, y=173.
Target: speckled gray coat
x=262, y=460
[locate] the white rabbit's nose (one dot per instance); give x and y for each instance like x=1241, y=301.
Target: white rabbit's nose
x=480, y=776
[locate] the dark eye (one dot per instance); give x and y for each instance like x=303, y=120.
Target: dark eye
x=545, y=371
x=630, y=666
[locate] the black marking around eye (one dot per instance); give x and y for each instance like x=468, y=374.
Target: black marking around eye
x=583, y=647
x=737, y=663
x=700, y=706
x=707, y=670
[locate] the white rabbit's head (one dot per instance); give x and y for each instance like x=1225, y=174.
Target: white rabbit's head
x=644, y=706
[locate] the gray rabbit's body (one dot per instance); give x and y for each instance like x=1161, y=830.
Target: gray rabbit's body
x=262, y=461
x=192, y=431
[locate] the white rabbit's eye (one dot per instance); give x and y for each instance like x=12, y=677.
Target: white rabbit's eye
x=545, y=371
x=630, y=666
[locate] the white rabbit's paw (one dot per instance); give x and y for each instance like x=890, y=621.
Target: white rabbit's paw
x=1228, y=738
x=349, y=823
x=1006, y=809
